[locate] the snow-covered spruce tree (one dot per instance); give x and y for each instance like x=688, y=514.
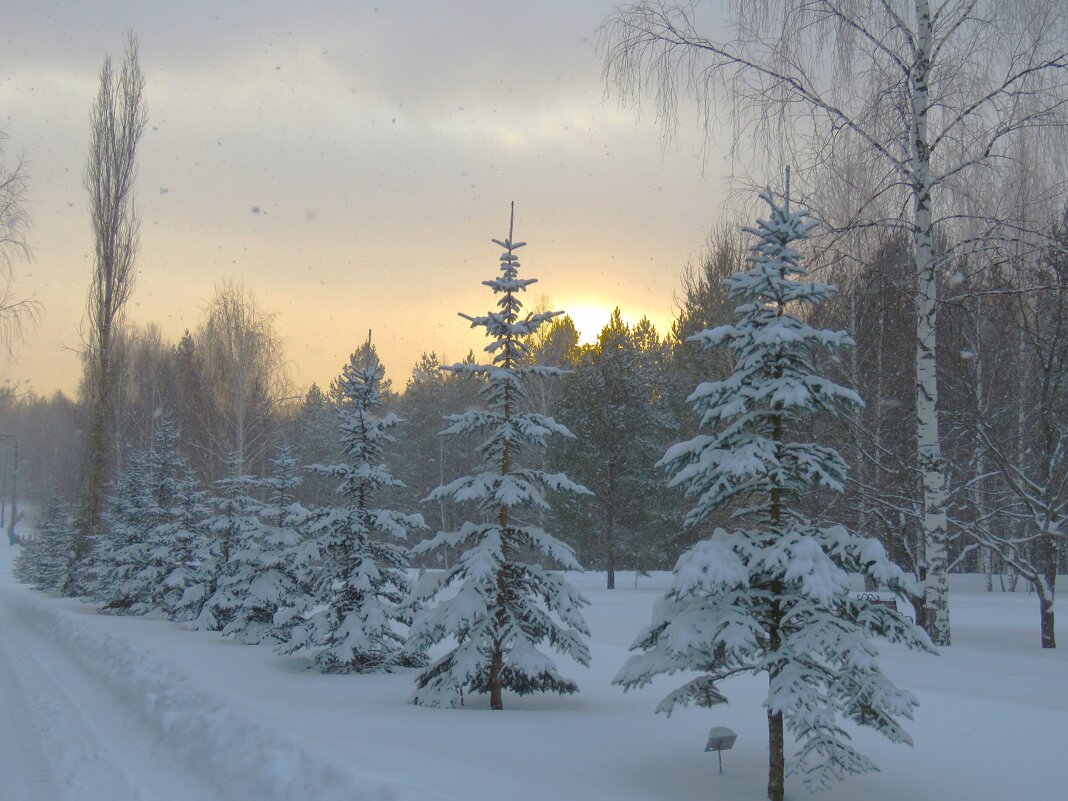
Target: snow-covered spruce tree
x=189, y=555
x=153, y=552
x=47, y=560
x=235, y=548
x=25, y=566
x=772, y=595
x=108, y=574
x=267, y=581
x=168, y=582
x=280, y=486
x=352, y=618
x=505, y=605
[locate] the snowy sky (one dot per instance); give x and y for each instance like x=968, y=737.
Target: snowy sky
x=349, y=161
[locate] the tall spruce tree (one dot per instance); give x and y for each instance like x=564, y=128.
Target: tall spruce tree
x=506, y=605
x=609, y=405
x=352, y=617
x=772, y=594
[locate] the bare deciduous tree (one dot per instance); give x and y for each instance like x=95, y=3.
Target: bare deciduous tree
x=15, y=312
x=703, y=302
x=928, y=95
x=1025, y=430
x=244, y=369
x=116, y=123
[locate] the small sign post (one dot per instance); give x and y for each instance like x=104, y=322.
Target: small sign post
x=877, y=598
x=720, y=739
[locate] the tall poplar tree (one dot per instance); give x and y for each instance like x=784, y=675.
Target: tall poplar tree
x=116, y=123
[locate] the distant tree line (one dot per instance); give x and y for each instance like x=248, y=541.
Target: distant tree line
x=1004, y=403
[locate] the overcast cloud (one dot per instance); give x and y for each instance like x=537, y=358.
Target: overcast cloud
x=349, y=162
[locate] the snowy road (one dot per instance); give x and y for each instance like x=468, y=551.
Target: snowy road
x=88, y=716
x=64, y=736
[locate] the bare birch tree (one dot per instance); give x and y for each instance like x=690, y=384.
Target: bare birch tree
x=929, y=96
x=116, y=122
x=1029, y=455
x=15, y=312
x=244, y=370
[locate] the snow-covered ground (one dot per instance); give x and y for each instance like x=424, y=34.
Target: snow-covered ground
x=95, y=707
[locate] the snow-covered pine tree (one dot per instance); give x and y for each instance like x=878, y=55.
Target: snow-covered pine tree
x=25, y=566
x=47, y=560
x=612, y=409
x=235, y=548
x=506, y=605
x=280, y=486
x=191, y=557
x=167, y=581
x=352, y=618
x=772, y=595
x=268, y=581
x=109, y=574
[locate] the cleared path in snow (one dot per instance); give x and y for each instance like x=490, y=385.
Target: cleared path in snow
x=64, y=737
x=88, y=715
x=25, y=773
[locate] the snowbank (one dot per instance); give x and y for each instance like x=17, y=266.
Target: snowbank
x=242, y=757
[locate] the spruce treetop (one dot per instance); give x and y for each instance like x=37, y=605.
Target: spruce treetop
x=774, y=381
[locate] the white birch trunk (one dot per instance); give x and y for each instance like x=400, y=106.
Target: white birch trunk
x=929, y=446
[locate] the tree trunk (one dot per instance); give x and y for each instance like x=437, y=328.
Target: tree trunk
x=497, y=659
x=776, y=751
x=1045, y=609
x=501, y=615
x=98, y=446
x=496, y=664
x=776, y=748
x=1045, y=585
x=500, y=612
x=610, y=539
x=986, y=555
x=777, y=759
x=928, y=440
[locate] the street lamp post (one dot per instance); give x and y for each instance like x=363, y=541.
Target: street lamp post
x=14, y=489
x=3, y=494
x=14, y=497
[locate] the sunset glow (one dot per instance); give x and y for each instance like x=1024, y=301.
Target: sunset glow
x=591, y=318
x=345, y=184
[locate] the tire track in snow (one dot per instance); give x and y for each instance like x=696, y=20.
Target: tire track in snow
x=25, y=772
x=96, y=750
